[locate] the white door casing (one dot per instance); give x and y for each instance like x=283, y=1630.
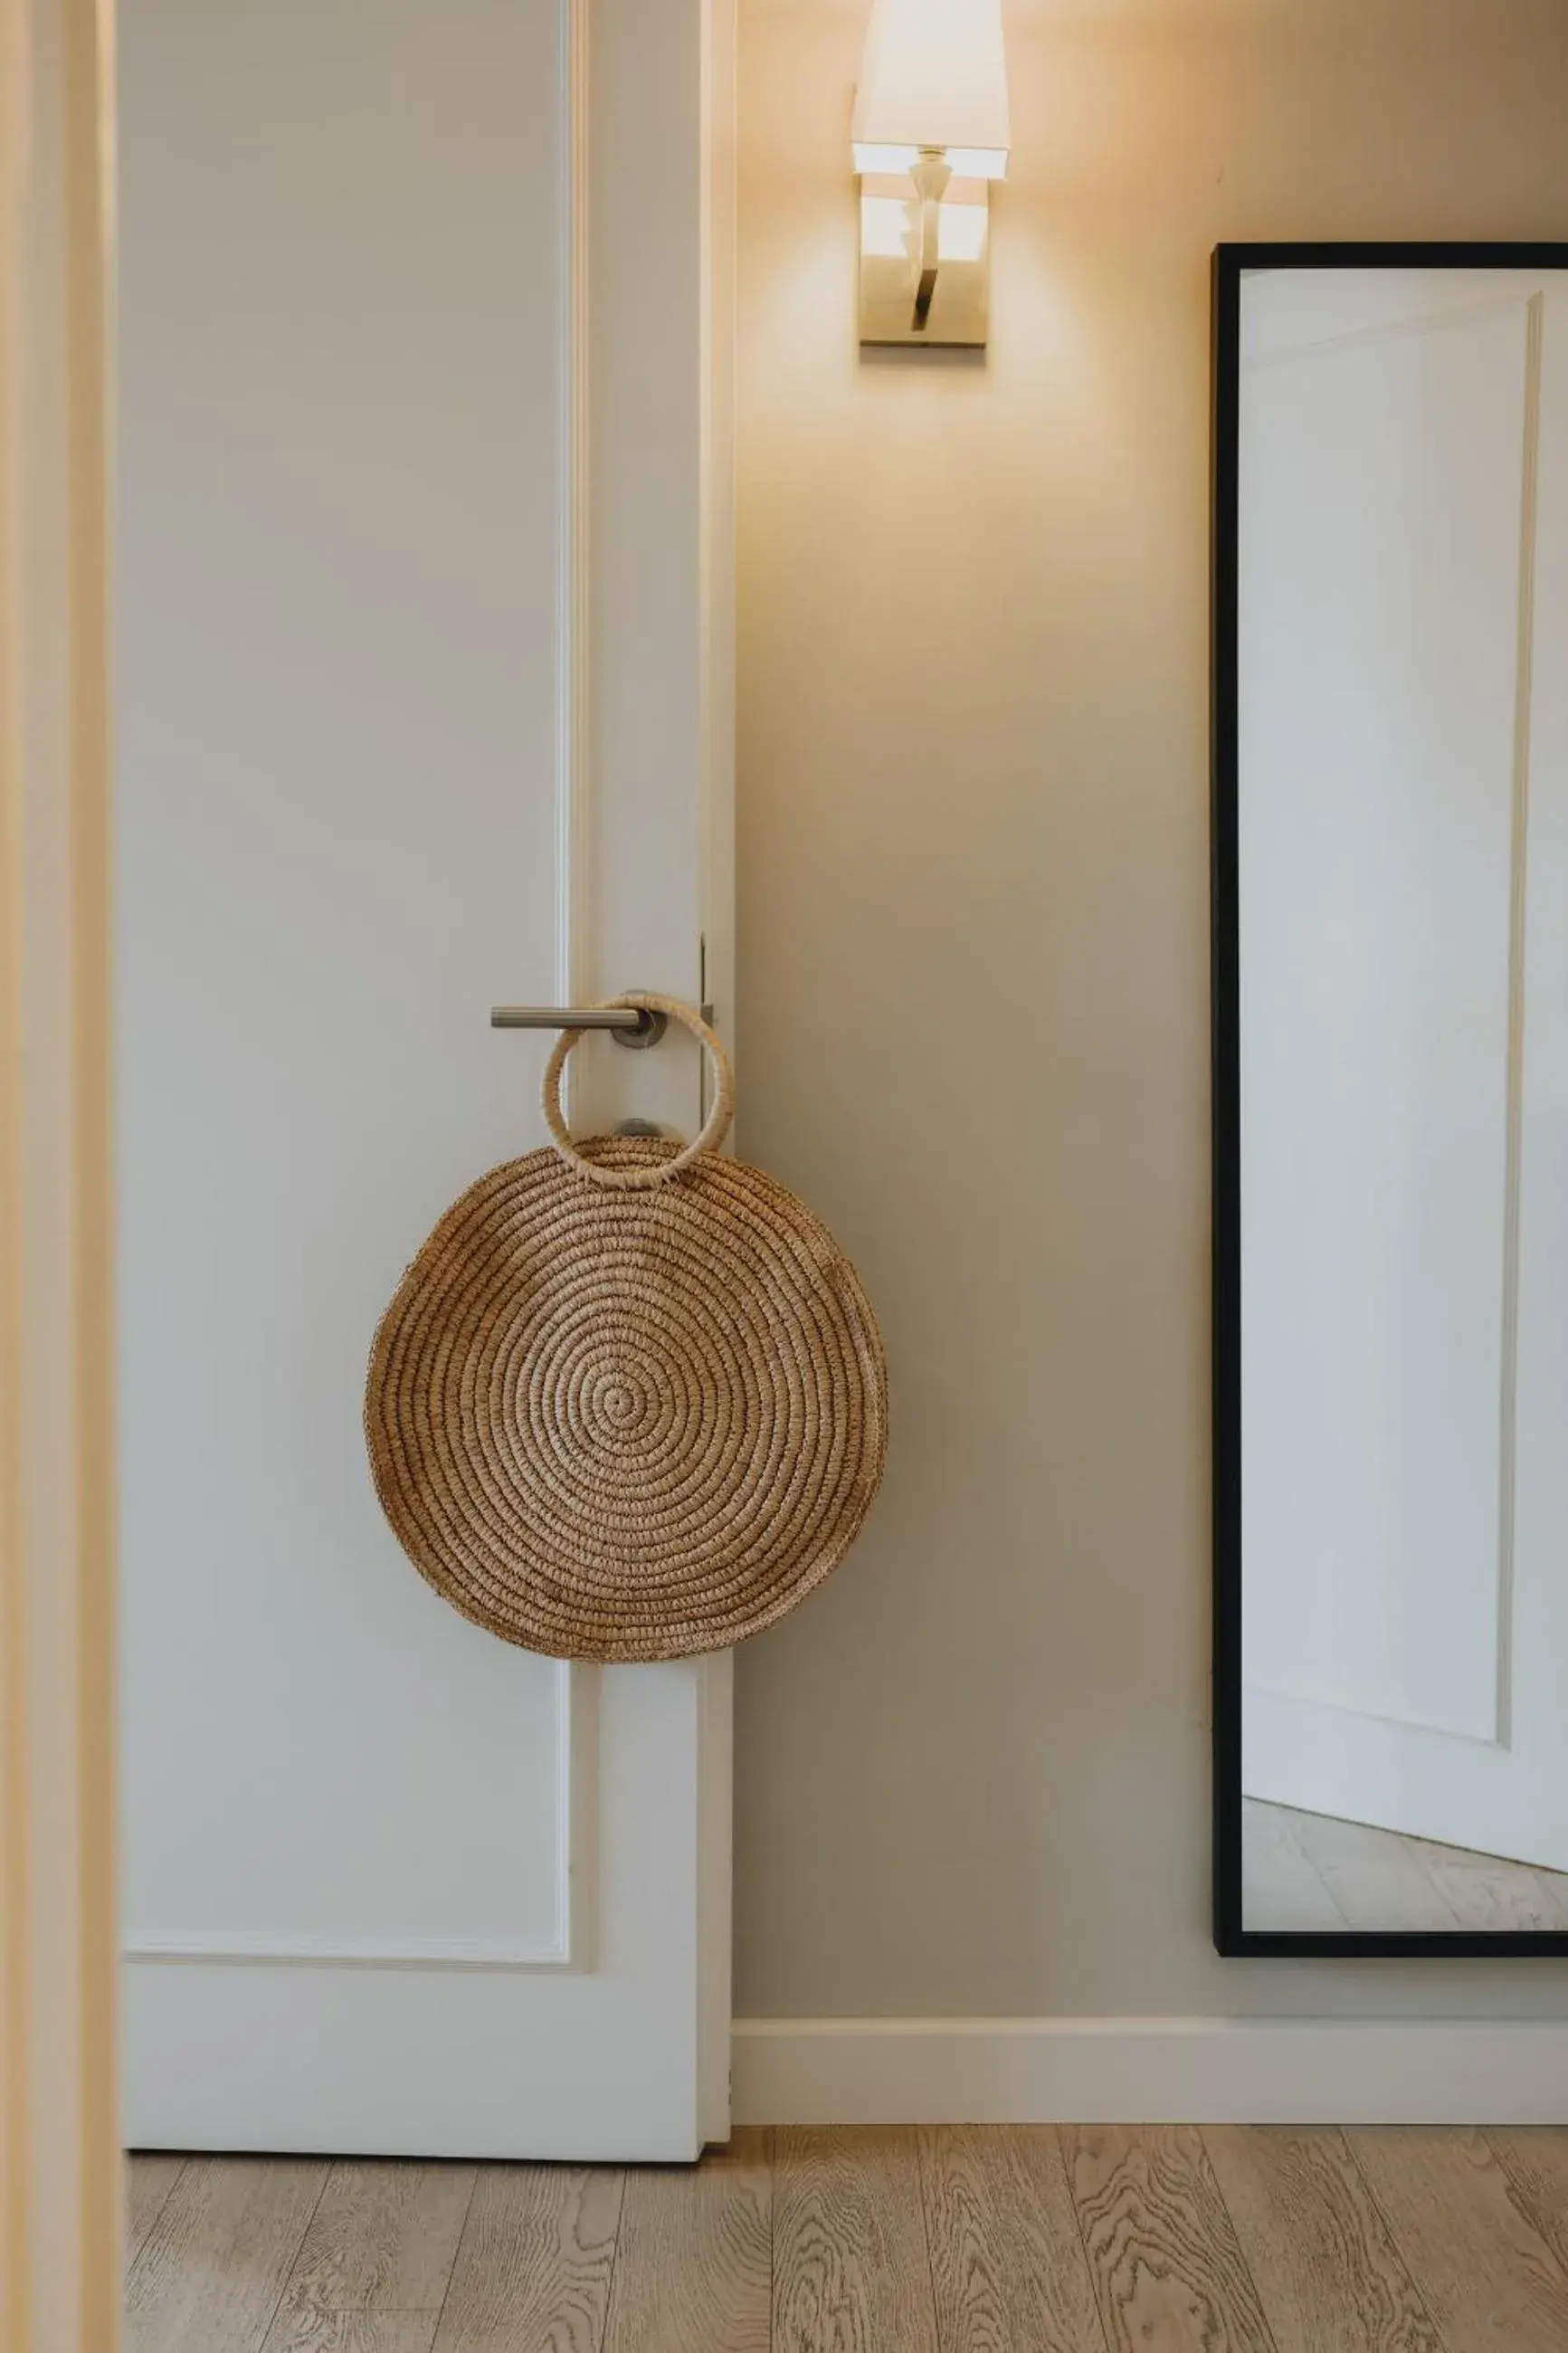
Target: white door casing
x=425, y=580
x=1404, y=602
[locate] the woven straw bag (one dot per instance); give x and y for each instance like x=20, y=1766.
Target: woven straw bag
x=629, y=1402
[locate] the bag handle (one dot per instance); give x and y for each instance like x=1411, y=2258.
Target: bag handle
x=715, y=1127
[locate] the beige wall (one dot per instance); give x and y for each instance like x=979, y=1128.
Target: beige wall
x=974, y=990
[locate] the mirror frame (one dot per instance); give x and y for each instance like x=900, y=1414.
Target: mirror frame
x=1231, y=1936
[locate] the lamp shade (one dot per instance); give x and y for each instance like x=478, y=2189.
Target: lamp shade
x=933, y=74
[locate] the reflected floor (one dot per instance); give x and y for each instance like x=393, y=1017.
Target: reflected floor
x=1308, y=1872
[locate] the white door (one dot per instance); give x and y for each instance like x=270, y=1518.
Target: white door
x=1404, y=604
x=424, y=662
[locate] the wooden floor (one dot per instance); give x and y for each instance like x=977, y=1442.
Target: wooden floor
x=961, y=2240
x=1307, y=1872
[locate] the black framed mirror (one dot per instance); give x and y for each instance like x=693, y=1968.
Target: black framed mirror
x=1390, y=733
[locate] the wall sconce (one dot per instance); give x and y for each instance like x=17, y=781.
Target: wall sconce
x=930, y=133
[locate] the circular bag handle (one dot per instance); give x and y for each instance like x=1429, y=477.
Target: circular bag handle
x=714, y=1129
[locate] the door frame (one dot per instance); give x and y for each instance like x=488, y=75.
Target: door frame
x=1230, y=264
x=59, y=2143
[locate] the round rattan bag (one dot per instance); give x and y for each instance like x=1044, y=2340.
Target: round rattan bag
x=630, y=1400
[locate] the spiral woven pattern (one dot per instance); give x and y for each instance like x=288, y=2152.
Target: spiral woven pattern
x=626, y=1424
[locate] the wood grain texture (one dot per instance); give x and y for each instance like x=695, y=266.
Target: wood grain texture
x=1008, y=2265
x=961, y=2240
x=533, y=2267
x=147, y=2181
x=694, y=2257
x=1168, y=2275
x=218, y=2257
x=1536, y=2163
x=1485, y=2272
x=307, y=2328
x=1325, y=2267
x=850, y=2269
x=383, y=2238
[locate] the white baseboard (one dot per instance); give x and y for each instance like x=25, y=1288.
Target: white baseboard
x=845, y=2071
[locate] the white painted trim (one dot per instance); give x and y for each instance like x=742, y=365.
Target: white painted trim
x=715, y=1858
x=877, y=2071
x=715, y=1788
x=572, y=612
x=577, y=1686
x=264, y=1947
x=579, y=1691
x=717, y=523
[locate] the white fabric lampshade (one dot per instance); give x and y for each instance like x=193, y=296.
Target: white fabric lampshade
x=933, y=74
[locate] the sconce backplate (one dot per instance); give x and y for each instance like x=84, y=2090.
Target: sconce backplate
x=892, y=309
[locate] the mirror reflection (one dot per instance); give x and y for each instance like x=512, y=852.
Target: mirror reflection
x=1402, y=847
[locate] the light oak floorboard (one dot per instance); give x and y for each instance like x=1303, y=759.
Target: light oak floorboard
x=216, y=2261
x=850, y=2269
x=1484, y=2270
x=694, y=2256
x=147, y=2181
x=1535, y=2159
x=533, y=2267
x=1168, y=2273
x=1008, y=2265
x=1325, y=2267
x=970, y=2240
x=306, y=2328
x=383, y=2238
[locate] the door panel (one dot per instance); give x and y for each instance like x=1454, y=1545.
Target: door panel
x=392, y=421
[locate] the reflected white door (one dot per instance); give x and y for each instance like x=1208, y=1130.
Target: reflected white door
x=1404, y=839
x=424, y=690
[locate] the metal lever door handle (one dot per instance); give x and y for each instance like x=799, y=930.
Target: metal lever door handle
x=628, y=1025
